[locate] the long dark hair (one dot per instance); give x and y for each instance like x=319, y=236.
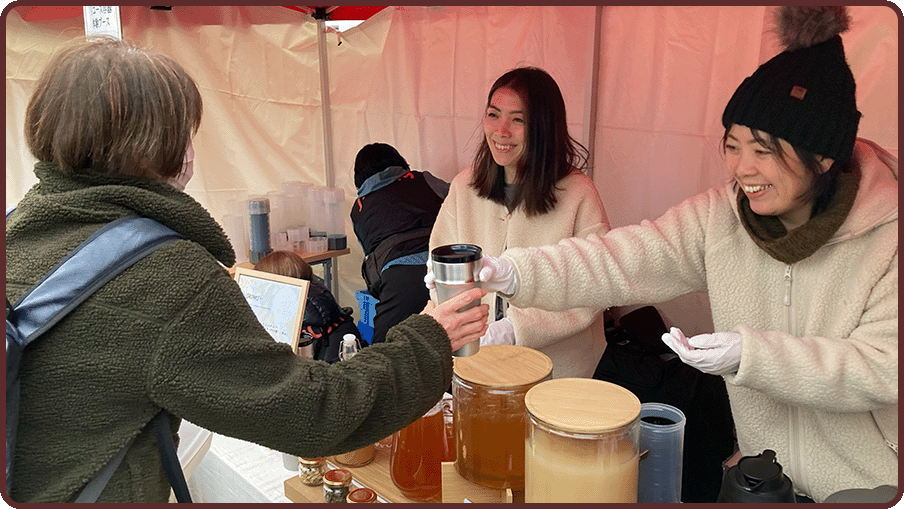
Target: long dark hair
x=104, y=107
x=551, y=153
x=824, y=181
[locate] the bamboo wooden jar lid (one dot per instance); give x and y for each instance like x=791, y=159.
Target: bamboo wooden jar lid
x=503, y=366
x=582, y=405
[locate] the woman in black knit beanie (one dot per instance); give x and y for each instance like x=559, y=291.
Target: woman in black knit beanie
x=799, y=255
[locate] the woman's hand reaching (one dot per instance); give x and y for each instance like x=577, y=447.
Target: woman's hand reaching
x=463, y=327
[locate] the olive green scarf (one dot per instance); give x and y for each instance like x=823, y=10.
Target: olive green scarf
x=770, y=234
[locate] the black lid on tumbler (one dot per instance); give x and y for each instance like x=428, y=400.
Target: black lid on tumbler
x=456, y=253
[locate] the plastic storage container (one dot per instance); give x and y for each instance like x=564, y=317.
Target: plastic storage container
x=490, y=423
x=296, y=211
x=582, y=442
x=662, y=435
x=317, y=208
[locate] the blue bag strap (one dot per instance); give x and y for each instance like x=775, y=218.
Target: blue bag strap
x=96, y=261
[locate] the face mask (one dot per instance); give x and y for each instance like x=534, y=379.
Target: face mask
x=180, y=180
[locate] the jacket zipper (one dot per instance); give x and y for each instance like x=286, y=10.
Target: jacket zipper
x=794, y=448
x=788, y=290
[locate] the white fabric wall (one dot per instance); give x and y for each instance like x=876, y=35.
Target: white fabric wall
x=417, y=78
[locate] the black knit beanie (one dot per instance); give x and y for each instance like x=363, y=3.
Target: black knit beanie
x=804, y=95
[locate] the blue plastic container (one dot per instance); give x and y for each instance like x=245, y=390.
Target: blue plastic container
x=367, y=305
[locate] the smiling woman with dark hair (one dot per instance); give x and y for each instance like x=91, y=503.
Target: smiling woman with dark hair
x=526, y=188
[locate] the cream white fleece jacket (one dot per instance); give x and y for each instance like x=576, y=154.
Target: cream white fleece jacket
x=818, y=378
x=574, y=339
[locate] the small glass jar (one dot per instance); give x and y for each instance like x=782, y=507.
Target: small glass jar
x=362, y=496
x=310, y=471
x=336, y=485
x=582, y=442
x=490, y=423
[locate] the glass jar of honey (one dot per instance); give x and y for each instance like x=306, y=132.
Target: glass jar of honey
x=582, y=442
x=490, y=422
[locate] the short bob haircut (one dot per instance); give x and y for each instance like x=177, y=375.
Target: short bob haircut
x=551, y=153
x=103, y=107
x=285, y=263
x=824, y=182
x=374, y=158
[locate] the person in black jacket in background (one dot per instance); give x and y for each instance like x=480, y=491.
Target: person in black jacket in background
x=392, y=217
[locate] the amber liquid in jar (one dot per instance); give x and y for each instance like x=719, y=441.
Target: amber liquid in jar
x=417, y=453
x=488, y=391
x=491, y=426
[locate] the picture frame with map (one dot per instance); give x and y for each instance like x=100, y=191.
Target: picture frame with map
x=277, y=301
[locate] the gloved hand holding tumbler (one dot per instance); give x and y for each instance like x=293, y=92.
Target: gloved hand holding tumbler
x=495, y=275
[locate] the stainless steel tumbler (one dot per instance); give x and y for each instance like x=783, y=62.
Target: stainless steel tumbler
x=456, y=267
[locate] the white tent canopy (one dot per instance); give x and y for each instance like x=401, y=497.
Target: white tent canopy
x=417, y=78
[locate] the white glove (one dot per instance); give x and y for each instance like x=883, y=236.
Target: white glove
x=496, y=275
x=500, y=332
x=717, y=354
x=430, y=277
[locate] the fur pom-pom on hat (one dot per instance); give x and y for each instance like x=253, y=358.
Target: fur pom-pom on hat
x=802, y=27
x=805, y=94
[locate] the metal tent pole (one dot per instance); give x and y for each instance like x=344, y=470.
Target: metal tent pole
x=594, y=91
x=320, y=15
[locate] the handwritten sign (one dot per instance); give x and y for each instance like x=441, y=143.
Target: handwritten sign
x=277, y=301
x=102, y=20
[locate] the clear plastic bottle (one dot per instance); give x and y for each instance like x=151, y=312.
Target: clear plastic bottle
x=366, y=454
x=349, y=347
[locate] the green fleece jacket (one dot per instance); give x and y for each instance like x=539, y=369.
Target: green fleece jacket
x=174, y=332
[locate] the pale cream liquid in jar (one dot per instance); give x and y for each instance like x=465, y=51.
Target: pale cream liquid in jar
x=582, y=442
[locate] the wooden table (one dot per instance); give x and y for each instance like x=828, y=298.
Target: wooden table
x=376, y=476
x=325, y=258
